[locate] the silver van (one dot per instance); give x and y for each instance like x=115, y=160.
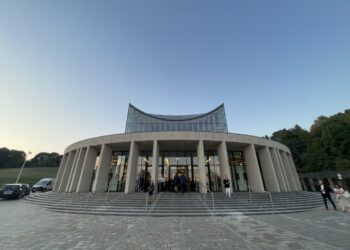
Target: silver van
x=45, y=184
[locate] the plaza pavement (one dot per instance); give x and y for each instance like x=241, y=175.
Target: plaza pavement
x=26, y=226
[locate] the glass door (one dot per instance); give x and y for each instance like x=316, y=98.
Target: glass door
x=117, y=174
x=241, y=178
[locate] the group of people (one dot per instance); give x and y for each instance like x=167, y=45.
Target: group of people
x=180, y=183
x=342, y=196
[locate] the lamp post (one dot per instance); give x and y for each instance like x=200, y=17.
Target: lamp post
x=24, y=163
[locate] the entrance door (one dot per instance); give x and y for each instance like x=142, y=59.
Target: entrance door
x=180, y=170
x=241, y=177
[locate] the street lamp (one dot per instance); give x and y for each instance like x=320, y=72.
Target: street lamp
x=24, y=163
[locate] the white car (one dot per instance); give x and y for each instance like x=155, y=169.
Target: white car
x=45, y=184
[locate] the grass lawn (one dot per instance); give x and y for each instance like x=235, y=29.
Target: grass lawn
x=29, y=175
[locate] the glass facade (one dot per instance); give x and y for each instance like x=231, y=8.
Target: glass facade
x=139, y=121
x=93, y=179
x=181, y=163
x=144, y=171
x=238, y=170
x=118, y=170
x=213, y=171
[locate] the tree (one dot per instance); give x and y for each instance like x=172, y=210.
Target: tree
x=11, y=158
x=45, y=160
x=14, y=159
x=297, y=140
x=325, y=147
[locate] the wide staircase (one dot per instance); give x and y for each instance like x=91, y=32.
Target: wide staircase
x=172, y=204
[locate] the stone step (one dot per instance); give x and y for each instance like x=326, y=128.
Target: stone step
x=171, y=204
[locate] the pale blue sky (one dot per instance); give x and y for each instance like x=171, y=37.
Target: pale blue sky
x=68, y=69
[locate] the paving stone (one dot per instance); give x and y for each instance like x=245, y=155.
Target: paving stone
x=26, y=226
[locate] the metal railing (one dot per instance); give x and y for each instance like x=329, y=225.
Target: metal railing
x=89, y=196
x=266, y=192
x=205, y=190
x=119, y=185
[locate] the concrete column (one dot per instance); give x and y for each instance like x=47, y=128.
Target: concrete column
x=60, y=172
x=87, y=170
x=289, y=173
x=77, y=171
x=72, y=171
x=312, y=184
x=201, y=167
x=303, y=184
x=253, y=172
x=295, y=173
x=283, y=170
x=102, y=170
x=132, y=167
x=268, y=170
x=278, y=171
x=224, y=166
x=66, y=172
x=155, y=164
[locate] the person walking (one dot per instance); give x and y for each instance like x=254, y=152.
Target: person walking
x=227, y=187
x=176, y=182
x=343, y=197
x=162, y=183
x=325, y=191
x=183, y=183
x=150, y=192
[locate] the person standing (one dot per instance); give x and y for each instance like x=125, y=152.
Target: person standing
x=227, y=187
x=162, y=183
x=183, y=183
x=176, y=182
x=342, y=199
x=150, y=192
x=325, y=191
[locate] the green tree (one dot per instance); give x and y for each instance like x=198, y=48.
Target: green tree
x=297, y=140
x=325, y=147
x=11, y=158
x=45, y=160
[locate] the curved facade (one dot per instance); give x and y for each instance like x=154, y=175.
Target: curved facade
x=139, y=121
x=149, y=151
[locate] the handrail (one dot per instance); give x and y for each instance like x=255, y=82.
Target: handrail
x=250, y=195
x=119, y=184
x=212, y=196
x=90, y=194
x=146, y=206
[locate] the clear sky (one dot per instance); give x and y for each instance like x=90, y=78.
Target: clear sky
x=68, y=69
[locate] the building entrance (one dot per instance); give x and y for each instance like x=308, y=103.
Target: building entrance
x=238, y=171
x=177, y=163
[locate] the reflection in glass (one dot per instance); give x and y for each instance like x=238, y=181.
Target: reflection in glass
x=144, y=171
x=118, y=170
x=213, y=171
x=238, y=170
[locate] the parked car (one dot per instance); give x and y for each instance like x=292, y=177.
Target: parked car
x=44, y=185
x=13, y=191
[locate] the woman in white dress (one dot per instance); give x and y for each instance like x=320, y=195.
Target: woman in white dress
x=343, y=197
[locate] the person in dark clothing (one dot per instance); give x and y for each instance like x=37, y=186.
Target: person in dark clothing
x=325, y=191
x=183, y=183
x=142, y=184
x=150, y=192
x=176, y=182
x=227, y=186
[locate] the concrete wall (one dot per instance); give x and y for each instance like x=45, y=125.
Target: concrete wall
x=276, y=164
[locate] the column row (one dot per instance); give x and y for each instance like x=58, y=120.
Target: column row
x=266, y=168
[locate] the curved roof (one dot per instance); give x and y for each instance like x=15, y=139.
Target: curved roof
x=140, y=121
x=177, y=117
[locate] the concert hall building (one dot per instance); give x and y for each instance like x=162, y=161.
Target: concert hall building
x=156, y=147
